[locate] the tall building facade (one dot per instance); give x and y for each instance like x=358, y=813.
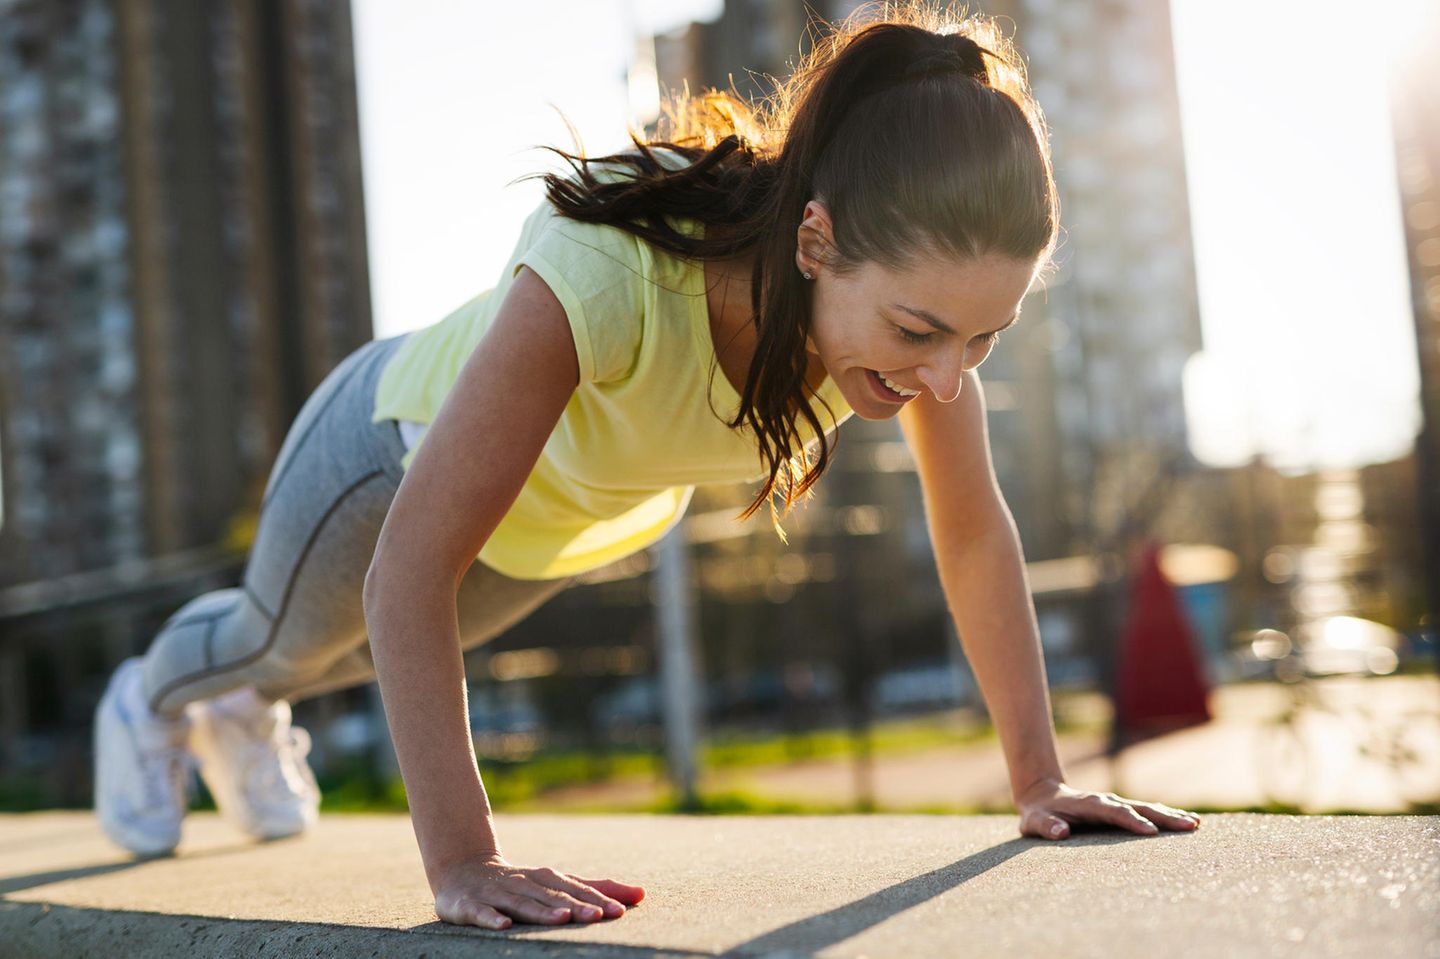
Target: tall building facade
x=182, y=259
x=1124, y=307
x=1416, y=107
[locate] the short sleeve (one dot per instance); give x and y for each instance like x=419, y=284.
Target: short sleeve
x=597, y=273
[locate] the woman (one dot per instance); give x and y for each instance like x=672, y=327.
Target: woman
x=693, y=311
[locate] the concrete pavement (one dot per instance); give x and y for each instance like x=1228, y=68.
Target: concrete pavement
x=1242, y=885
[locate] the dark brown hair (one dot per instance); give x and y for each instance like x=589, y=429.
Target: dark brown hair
x=913, y=123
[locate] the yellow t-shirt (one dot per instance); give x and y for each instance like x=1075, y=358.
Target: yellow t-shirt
x=638, y=434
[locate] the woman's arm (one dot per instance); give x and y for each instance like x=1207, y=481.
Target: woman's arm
x=466, y=475
x=982, y=572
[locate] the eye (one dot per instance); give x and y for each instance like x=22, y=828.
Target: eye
x=913, y=337
x=985, y=339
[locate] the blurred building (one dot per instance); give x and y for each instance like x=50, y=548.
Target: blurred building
x=1416, y=112
x=182, y=259
x=1124, y=310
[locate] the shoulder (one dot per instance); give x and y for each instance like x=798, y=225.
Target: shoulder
x=607, y=278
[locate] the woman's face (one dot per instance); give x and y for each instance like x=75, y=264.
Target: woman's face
x=871, y=324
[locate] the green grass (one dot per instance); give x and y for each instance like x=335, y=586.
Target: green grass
x=21, y=792
x=513, y=783
x=730, y=751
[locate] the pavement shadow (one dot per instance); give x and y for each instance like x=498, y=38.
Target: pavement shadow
x=816, y=933
x=9, y=884
x=43, y=929
x=535, y=943
x=45, y=838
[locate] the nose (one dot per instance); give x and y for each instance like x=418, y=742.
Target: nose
x=944, y=376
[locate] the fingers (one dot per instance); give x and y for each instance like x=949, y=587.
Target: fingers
x=487, y=917
x=623, y=892
x=529, y=907
x=497, y=906
x=1053, y=827
x=469, y=912
x=581, y=893
x=1148, y=818
x=579, y=899
x=1120, y=813
x=493, y=892
x=1167, y=816
x=547, y=889
x=1144, y=818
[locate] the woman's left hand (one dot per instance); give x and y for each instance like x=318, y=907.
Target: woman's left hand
x=1048, y=807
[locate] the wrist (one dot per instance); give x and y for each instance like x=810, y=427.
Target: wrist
x=1049, y=781
x=439, y=870
x=454, y=841
x=1033, y=760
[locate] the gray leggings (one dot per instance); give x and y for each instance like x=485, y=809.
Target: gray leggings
x=295, y=627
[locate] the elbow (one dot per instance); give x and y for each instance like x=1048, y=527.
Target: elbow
x=415, y=582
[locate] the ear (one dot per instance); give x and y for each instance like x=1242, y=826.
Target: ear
x=814, y=237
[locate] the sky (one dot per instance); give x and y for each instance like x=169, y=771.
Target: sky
x=453, y=96
x=1309, y=355
x=1309, y=352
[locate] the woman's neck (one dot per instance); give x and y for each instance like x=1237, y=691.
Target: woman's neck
x=732, y=326
x=732, y=329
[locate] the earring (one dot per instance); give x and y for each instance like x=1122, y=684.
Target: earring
x=807, y=276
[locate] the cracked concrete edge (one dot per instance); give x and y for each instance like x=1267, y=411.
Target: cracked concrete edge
x=33, y=930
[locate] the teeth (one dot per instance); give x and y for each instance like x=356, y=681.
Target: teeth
x=898, y=389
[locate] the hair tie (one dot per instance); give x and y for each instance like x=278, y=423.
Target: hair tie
x=956, y=53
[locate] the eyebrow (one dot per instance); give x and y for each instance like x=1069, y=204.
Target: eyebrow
x=941, y=325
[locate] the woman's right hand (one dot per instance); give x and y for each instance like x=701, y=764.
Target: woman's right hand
x=490, y=892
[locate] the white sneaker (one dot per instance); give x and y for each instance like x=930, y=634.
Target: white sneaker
x=141, y=767
x=253, y=762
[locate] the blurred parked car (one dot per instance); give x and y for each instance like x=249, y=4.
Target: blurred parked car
x=503, y=708
x=935, y=685
x=1348, y=644
x=1076, y=672
x=1334, y=645
x=633, y=705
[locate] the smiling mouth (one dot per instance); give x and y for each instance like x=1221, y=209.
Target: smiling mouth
x=885, y=392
